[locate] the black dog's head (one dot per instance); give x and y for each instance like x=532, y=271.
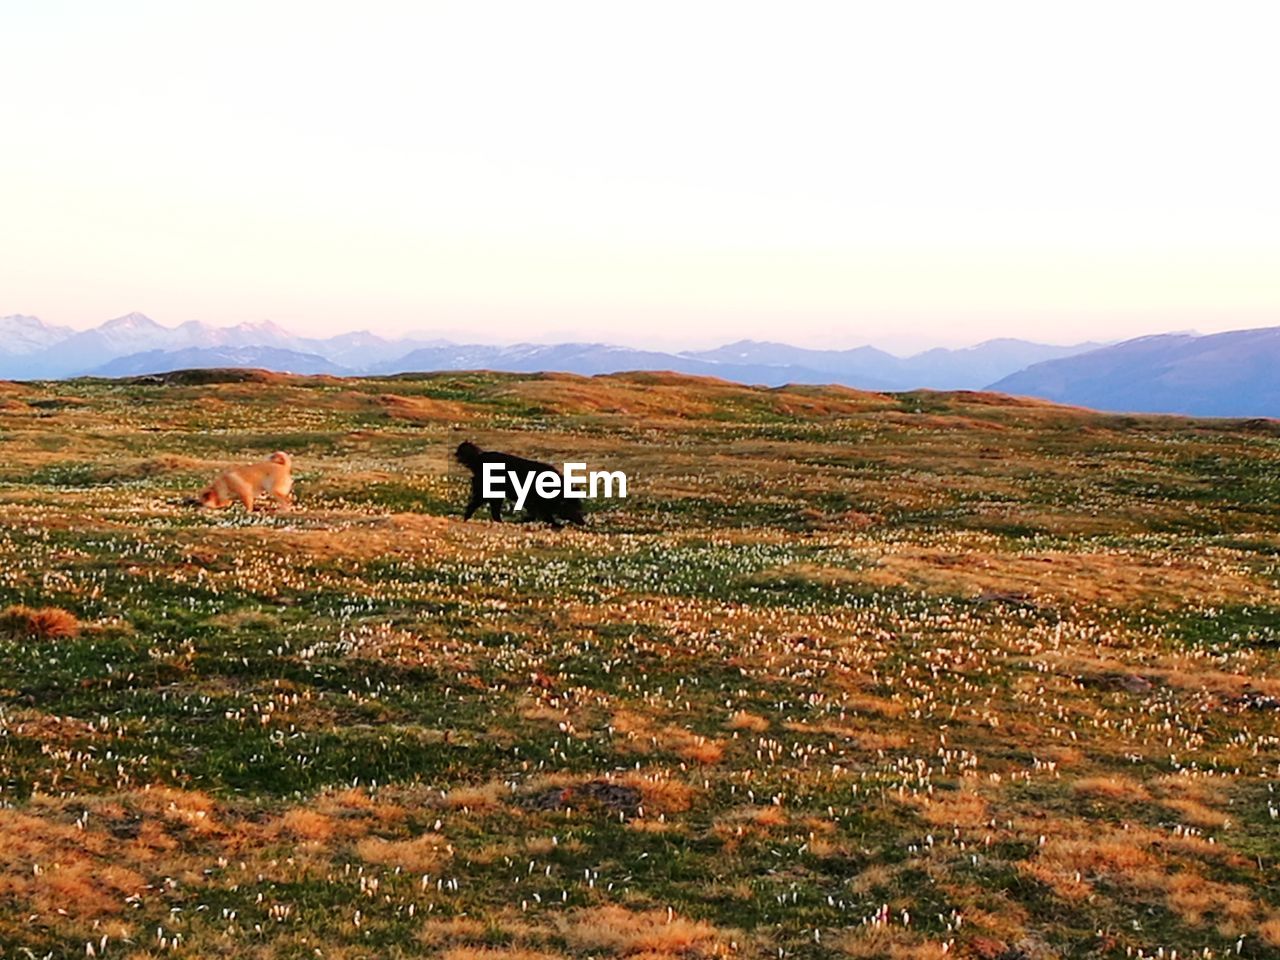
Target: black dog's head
x=468, y=454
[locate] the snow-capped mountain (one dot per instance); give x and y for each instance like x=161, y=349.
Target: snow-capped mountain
x=21, y=335
x=262, y=333
x=31, y=349
x=136, y=333
x=135, y=343
x=81, y=351
x=360, y=350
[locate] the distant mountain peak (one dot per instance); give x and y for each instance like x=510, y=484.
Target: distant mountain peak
x=999, y=342
x=22, y=335
x=264, y=326
x=361, y=336
x=130, y=321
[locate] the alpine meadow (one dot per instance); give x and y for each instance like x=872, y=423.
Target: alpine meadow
x=908, y=675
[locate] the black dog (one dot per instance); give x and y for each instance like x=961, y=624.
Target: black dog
x=547, y=509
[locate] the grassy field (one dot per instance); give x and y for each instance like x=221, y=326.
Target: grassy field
x=848, y=674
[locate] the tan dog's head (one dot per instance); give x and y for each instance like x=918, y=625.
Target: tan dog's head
x=209, y=498
x=281, y=458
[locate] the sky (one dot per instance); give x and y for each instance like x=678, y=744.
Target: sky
x=659, y=174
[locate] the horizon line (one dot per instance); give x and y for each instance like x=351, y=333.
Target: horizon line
x=446, y=339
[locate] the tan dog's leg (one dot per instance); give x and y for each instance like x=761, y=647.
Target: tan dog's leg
x=283, y=490
x=243, y=492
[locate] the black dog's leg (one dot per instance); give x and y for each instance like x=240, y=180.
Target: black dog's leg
x=495, y=510
x=544, y=514
x=476, y=499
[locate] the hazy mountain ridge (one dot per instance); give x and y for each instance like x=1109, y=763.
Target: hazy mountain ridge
x=1233, y=374
x=207, y=358
x=135, y=344
x=59, y=352
x=1227, y=374
x=590, y=359
x=967, y=368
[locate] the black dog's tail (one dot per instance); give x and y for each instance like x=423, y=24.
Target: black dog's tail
x=468, y=454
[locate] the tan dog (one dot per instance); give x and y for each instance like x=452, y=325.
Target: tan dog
x=272, y=476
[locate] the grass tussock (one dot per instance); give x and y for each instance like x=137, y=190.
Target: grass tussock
x=649, y=933
x=422, y=854
x=41, y=623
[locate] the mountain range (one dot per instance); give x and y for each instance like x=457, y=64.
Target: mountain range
x=30, y=349
x=135, y=344
x=1235, y=374
x=1229, y=374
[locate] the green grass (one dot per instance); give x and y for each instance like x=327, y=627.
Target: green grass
x=811, y=640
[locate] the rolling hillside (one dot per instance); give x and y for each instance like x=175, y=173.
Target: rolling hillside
x=848, y=674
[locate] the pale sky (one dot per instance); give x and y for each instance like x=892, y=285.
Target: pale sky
x=664, y=174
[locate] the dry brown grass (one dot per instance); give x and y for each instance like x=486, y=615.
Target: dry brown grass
x=743, y=720
x=641, y=735
x=422, y=854
x=564, y=393
x=304, y=824
x=1197, y=900
x=654, y=933
x=1068, y=864
x=422, y=409
x=486, y=797
x=1187, y=785
x=701, y=750
x=498, y=953
x=874, y=706
x=889, y=943
x=49, y=867
x=955, y=808
x=1269, y=931
x=1196, y=814
x=749, y=822
x=43, y=623
x=872, y=877
x=863, y=736
x=660, y=792
x=1116, y=578
x=45, y=727
x=347, y=538
x=826, y=401
x=437, y=932
x=1111, y=788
